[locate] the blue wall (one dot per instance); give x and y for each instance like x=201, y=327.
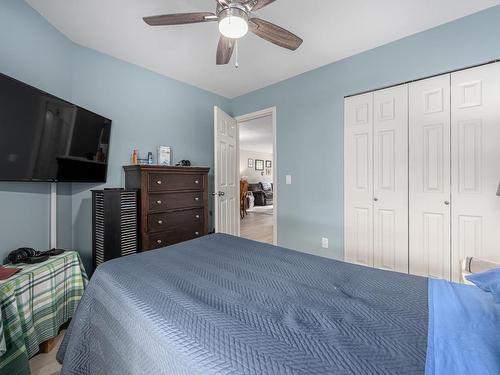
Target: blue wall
x=310, y=119
x=34, y=52
x=148, y=109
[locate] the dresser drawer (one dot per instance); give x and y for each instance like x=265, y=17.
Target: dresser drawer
x=163, y=239
x=171, y=182
x=172, y=201
x=190, y=220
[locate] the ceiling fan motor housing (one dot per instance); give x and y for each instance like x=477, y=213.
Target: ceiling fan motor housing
x=243, y=5
x=235, y=10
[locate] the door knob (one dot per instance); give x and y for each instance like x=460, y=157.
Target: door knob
x=221, y=193
x=375, y=199
x=447, y=203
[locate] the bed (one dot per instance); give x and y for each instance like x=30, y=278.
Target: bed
x=226, y=305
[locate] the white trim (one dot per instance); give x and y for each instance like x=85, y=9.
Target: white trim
x=216, y=163
x=53, y=215
x=252, y=116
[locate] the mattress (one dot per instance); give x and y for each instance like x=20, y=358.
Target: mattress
x=226, y=305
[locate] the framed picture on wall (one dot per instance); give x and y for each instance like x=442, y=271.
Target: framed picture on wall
x=250, y=163
x=259, y=165
x=268, y=164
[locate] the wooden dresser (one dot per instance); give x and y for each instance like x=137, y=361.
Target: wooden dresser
x=173, y=203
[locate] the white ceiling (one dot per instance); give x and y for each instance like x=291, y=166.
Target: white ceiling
x=331, y=29
x=257, y=135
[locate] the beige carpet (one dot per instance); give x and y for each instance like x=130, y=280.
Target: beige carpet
x=46, y=364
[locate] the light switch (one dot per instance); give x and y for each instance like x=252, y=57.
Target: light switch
x=288, y=179
x=324, y=243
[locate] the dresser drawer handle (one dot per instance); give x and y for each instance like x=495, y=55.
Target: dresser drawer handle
x=159, y=242
x=197, y=216
x=197, y=199
x=158, y=182
x=158, y=202
x=196, y=233
x=160, y=222
x=196, y=182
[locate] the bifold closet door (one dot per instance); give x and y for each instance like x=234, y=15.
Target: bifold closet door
x=390, y=176
x=358, y=179
x=475, y=114
x=429, y=177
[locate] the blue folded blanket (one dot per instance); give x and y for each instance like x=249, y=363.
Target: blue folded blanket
x=225, y=305
x=464, y=330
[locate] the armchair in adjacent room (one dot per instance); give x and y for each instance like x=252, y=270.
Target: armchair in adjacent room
x=263, y=193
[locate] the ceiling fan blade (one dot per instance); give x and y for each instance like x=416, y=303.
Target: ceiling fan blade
x=225, y=50
x=275, y=34
x=180, y=19
x=223, y=3
x=261, y=4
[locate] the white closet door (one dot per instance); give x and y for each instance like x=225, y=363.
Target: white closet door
x=390, y=176
x=475, y=164
x=429, y=177
x=358, y=167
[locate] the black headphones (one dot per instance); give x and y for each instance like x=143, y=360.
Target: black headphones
x=31, y=256
x=26, y=255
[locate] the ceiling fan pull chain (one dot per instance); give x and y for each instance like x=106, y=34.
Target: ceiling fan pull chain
x=237, y=64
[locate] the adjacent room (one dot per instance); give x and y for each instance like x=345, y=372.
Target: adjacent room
x=256, y=179
x=249, y=187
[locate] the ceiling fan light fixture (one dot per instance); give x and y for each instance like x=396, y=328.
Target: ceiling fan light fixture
x=233, y=23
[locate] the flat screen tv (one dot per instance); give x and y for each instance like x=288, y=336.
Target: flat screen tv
x=44, y=138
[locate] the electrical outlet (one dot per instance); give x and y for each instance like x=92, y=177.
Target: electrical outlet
x=324, y=243
x=288, y=179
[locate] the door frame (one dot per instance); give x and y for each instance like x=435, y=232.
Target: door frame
x=252, y=116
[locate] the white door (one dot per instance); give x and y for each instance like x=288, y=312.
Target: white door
x=475, y=134
x=429, y=177
x=226, y=179
x=390, y=176
x=358, y=175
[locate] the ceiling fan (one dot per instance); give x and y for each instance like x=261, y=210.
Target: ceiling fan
x=235, y=20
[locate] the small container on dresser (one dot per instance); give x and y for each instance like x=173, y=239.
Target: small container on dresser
x=173, y=203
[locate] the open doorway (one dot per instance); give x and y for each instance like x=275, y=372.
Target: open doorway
x=257, y=172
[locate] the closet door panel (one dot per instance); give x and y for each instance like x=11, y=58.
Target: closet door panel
x=390, y=174
x=475, y=124
x=429, y=177
x=358, y=167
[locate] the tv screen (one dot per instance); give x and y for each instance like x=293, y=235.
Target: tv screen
x=44, y=138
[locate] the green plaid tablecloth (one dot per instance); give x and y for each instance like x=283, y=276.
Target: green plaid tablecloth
x=34, y=304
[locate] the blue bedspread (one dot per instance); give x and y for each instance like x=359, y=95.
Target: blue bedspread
x=464, y=330
x=225, y=305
